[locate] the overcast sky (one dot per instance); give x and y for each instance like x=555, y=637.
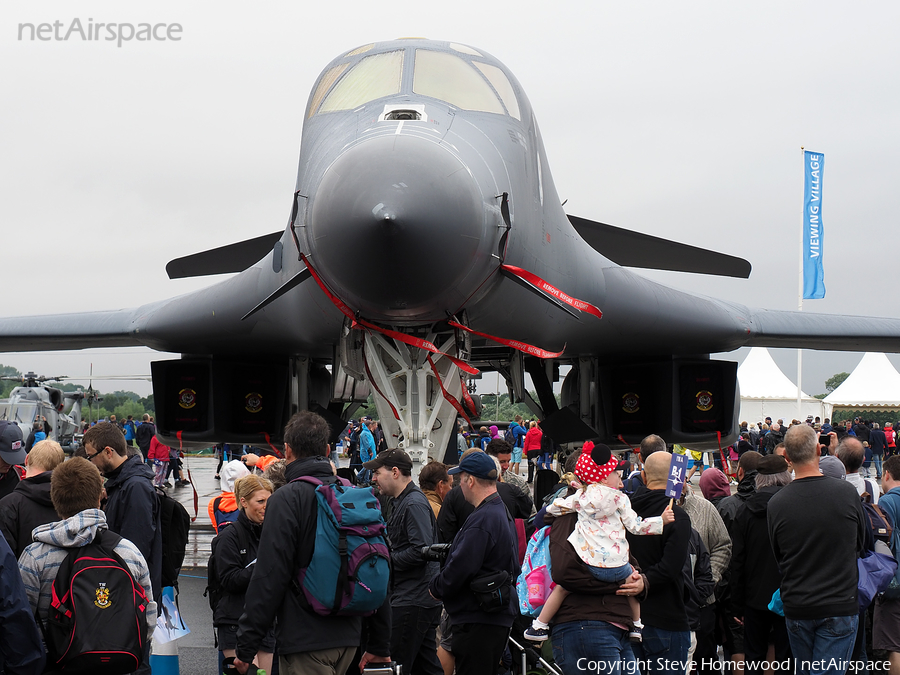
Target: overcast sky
x=679, y=119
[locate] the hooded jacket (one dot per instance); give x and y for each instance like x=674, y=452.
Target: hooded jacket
x=754, y=572
x=132, y=511
x=27, y=507
x=52, y=543
x=662, y=561
x=287, y=544
x=728, y=508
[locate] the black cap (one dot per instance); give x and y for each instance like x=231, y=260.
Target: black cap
x=390, y=459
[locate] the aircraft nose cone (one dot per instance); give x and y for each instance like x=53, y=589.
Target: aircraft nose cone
x=395, y=225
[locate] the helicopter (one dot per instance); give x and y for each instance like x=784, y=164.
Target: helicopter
x=34, y=399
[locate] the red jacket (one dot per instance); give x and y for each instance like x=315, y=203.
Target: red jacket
x=158, y=450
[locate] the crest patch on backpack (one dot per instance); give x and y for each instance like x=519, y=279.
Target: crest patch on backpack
x=102, y=594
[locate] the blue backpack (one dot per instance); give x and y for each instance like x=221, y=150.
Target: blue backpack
x=534, y=584
x=350, y=569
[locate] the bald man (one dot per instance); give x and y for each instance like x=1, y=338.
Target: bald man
x=661, y=558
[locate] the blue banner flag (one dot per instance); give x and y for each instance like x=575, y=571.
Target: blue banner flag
x=813, y=271
x=677, y=472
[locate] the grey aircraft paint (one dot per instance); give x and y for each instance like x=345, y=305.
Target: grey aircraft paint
x=400, y=208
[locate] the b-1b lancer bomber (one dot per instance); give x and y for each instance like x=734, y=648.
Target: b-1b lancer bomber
x=426, y=242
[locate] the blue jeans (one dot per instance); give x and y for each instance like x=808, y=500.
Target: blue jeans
x=663, y=651
x=877, y=459
x=815, y=642
x=581, y=647
x=611, y=575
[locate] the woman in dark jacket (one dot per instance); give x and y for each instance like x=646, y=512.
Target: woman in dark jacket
x=754, y=572
x=235, y=568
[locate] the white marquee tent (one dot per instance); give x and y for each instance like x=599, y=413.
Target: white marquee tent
x=873, y=384
x=768, y=392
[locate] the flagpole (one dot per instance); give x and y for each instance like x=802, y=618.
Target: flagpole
x=800, y=299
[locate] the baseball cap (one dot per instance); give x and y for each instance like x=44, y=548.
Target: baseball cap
x=12, y=449
x=478, y=464
x=833, y=467
x=390, y=458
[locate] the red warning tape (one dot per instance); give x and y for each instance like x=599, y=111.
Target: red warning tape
x=515, y=344
x=450, y=398
x=377, y=390
x=268, y=438
x=400, y=337
x=622, y=438
x=550, y=289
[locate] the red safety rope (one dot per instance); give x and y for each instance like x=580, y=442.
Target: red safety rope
x=396, y=335
x=552, y=290
x=377, y=390
x=450, y=398
x=515, y=344
x=268, y=438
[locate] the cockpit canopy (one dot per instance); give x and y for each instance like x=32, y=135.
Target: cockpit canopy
x=456, y=77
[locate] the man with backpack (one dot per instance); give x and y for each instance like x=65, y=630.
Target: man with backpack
x=117, y=609
x=132, y=506
x=308, y=642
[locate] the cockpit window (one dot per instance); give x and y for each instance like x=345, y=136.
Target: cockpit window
x=500, y=82
x=360, y=50
x=373, y=77
x=449, y=78
x=325, y=83
x=464, y=49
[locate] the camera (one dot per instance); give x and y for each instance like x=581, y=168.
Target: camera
x=383, y=669
x=825, y=440
x=435, y=552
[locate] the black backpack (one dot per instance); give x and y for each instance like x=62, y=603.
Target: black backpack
x=214, y=591
x=175, y=524
x=97, y=621
x=878, y=523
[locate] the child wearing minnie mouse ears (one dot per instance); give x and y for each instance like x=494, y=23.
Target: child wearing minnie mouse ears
x=604, y=513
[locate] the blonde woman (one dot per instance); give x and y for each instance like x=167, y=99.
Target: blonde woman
x=235, y=568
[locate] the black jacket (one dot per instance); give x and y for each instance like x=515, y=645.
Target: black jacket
x=729, y=507
x=411, y=526
x=236, y=548
x=132, y=512
x=27, y=507
x=143, y=434
x=486, y=543
x=698, y=579
x=455, y=509
x=662, y=561
x=772, y=439
x=754, y=572
x=287, y=544
x=21, y=650
x=877, y=441
x=817, y=528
